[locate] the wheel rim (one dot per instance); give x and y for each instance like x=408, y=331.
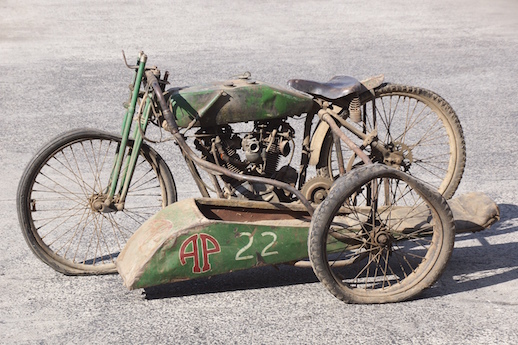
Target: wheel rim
x=417, y=133
x=379, y=250
x=64, y=220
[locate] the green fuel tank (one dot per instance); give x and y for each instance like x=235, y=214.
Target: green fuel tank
x=235, y=100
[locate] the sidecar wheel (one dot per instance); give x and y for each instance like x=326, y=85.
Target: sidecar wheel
x=61, y=184
x=416, y=124
x=380, y=236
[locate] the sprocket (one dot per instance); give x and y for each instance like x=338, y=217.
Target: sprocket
x=317, y=188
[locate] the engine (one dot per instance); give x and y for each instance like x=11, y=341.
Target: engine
x=255, y=153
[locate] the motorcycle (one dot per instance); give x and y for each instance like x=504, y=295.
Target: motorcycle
x=84, y=194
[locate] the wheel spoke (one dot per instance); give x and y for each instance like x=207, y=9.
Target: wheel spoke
x=70, y=179
x=389, y=232
x=416, y=125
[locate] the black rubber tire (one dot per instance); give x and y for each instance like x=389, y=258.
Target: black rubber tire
x=429, y=156
x=350, y=270
x=57, y=186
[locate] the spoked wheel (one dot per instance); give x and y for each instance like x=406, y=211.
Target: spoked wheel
x=419, y=129
x=61, y=196
x=380, y=236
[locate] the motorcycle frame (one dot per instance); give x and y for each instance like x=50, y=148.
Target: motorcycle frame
x=124, y=164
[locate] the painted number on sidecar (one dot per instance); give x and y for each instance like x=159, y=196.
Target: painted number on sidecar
x=240, y=255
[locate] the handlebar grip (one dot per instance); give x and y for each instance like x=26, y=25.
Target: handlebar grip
x=168, y=115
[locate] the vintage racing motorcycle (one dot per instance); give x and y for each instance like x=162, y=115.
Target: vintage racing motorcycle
x=86, y=192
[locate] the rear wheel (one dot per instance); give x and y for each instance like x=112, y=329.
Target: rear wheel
x=380, y=236
x=60, y=198
x=419, y=129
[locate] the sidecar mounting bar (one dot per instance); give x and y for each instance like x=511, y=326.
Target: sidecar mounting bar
x=173, y=128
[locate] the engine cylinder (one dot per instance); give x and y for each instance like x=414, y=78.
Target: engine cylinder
x=252, y=149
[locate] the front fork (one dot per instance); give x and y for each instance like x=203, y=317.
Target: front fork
x=124, y=164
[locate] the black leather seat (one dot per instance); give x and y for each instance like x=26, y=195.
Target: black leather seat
x=338, y=87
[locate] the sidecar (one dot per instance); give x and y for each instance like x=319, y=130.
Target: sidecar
x=202, y=237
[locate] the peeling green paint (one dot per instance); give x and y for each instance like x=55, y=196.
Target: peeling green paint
x=241, y=100
x=163, y=249
x=183, y=242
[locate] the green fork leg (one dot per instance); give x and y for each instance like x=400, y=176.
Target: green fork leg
x=126, y=129
x=130, y=167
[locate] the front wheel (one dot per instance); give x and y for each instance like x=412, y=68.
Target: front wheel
x=61, y=189
x=420, y=132
x=380, y=236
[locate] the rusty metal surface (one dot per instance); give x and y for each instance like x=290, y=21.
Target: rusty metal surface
x=211, y=167
x=180, y=243
x=196, y=238
x=329, y=120
x=373, y=82
x=251, y=215
x=239, y=100
x=463, y=49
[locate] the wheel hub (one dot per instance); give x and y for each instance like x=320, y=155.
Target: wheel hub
x=97, y=203
x=398, y=155
x=382, y=238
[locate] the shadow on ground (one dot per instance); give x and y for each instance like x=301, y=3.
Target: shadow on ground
x=472, y=267
x=257, y=278
x=486, y=262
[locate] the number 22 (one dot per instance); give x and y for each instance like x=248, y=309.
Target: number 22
x=264, y=252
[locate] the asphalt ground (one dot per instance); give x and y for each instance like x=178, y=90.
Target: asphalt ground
x=61, y=68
